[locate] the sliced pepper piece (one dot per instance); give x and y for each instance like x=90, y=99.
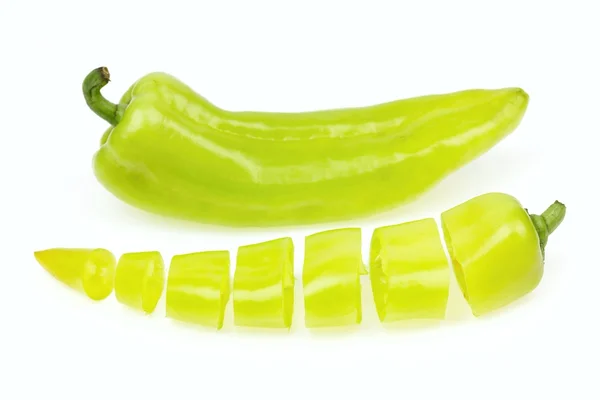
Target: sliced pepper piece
x=331, y=278
x=90, y=271
x=263, y=284
x=198, y=288
x=409, y=271
x=497, y=248
x=140, y=279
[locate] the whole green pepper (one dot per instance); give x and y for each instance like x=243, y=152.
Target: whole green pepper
x=171, y=152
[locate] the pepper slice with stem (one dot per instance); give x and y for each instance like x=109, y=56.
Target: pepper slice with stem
x=497, y=248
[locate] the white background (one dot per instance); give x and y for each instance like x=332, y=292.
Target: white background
x=294, y=56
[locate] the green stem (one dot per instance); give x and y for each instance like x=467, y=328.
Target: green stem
x=548, y=221
x=92, y=84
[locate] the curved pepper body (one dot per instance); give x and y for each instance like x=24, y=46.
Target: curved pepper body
x=174, y=153
x=495, y=250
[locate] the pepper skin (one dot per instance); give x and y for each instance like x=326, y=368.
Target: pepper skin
x=263, y=284
x=139, y=280
x=409, y=271
x=90, y=271
x=331, y=278
x=198, y=288
x=169, y=151
x=497, y=248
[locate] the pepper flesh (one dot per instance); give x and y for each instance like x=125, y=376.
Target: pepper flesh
x=409, y=271
x=170, y=151
x=139, y=280
x=263, y=284
x=90, y=271
x=198, y=288
x=497, y=250
x=331, y=278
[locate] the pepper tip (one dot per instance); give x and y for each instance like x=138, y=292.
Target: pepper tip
x=38, y=254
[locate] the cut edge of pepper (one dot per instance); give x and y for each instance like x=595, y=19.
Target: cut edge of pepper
x=225, y=288
x=98, y=278
x=457, y=267
x=154, y=281
x=360, y=270
x=288, y=283
x=378, y=277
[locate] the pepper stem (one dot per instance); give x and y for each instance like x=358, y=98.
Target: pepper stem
x=92, y=84
x=548, y=221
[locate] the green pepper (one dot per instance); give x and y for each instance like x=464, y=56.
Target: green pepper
x=170, y=151
x=497, y=248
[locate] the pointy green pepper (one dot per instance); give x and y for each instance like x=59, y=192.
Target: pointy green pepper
x=171, y=152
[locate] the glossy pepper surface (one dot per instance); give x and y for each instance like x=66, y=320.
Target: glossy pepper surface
x=497, y=248
x=263, y=284
x=170, y=151
x=409, y=271
x=91, y=271
x=140, y=279
x=198, y=288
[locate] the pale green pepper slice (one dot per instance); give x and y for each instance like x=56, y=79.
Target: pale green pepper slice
x=409, y=271
x=497, y=248
x=331, y=278
x=263, y=284
x=140, y=279
x=198, y=288
x=90, y=271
